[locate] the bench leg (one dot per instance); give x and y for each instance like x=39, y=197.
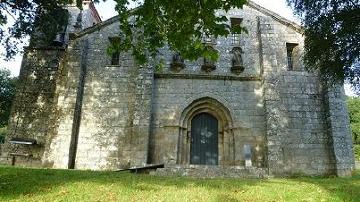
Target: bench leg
x=13, y=160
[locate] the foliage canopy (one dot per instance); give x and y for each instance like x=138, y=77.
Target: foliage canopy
x=332, y=43
x=181, y=24
x=354, y=113
x=19, y=19
x=7, y=92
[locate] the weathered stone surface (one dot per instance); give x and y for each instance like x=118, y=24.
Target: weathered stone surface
x=212, y=172
x=129, y=115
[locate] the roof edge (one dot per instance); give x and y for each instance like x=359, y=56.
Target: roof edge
x=250, y=3
x=95, y=12
x=96, y=27
x=276, y=16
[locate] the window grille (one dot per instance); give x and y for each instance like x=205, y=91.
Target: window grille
x=235, y=22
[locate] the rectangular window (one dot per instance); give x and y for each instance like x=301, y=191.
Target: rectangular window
x=115, y=55
x=290, y=49
x=235, y=22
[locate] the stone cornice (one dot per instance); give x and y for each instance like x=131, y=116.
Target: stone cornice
x=206, y=77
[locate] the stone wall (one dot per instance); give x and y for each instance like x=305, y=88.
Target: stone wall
x=58, y=153
x=88, y=114
x=114, y=110
x=242, y=98
x=297, y=126
x=241, y=94
x=34, y=113
x=295, y=109
x=339, y=129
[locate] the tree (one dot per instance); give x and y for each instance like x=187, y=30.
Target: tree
x=181, y=24
x=7, y=93
x=332, y=37
x=354, y=113
x=21, y=18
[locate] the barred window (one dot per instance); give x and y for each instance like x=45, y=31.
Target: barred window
x=235, y=22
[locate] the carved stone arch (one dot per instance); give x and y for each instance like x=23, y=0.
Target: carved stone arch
x=201, y=97
x=225, y=134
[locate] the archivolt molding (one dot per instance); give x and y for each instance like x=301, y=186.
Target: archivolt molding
x=225, y=135
x=202, y=97
x=208, y=105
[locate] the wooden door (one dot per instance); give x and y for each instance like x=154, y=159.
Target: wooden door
x=204, y=140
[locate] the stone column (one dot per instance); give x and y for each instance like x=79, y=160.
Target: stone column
x=142, y=113
x=272, y=80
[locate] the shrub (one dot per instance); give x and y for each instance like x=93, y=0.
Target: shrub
x=7, y=93
x=354, y=113
x=357, y=152
x=2, y=134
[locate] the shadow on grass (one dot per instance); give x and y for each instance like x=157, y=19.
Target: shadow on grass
x=17, y=182
x=346, y=189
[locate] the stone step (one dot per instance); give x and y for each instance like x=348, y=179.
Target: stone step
x=212, y=171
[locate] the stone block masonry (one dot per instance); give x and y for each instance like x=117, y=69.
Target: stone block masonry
x=89, y=114
x=34, y=111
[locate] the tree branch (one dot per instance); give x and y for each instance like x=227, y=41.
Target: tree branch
x=14, y=6
x=8, y=12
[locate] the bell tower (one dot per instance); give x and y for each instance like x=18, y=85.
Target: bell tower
x=82, y=18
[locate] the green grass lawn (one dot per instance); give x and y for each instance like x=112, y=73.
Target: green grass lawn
x=20, y=184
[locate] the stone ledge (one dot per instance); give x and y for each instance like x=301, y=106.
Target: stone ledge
x=198, y=171
x=205, y=76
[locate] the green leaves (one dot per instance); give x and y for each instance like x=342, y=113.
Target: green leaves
x=332, y=30
x=354, y=113
x=7, y=93
x=27, y=17
x=182, y=24
x=179, y=23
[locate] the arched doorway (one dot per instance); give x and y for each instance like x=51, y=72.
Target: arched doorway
x=204, y=140
x=198, y=120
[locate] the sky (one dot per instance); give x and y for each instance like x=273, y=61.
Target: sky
x=106, y=11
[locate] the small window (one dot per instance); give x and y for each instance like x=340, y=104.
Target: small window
x=235, y=22
x=115, y=55
x=292, y=53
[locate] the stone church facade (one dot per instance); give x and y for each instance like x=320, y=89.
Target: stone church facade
x=256, y=108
